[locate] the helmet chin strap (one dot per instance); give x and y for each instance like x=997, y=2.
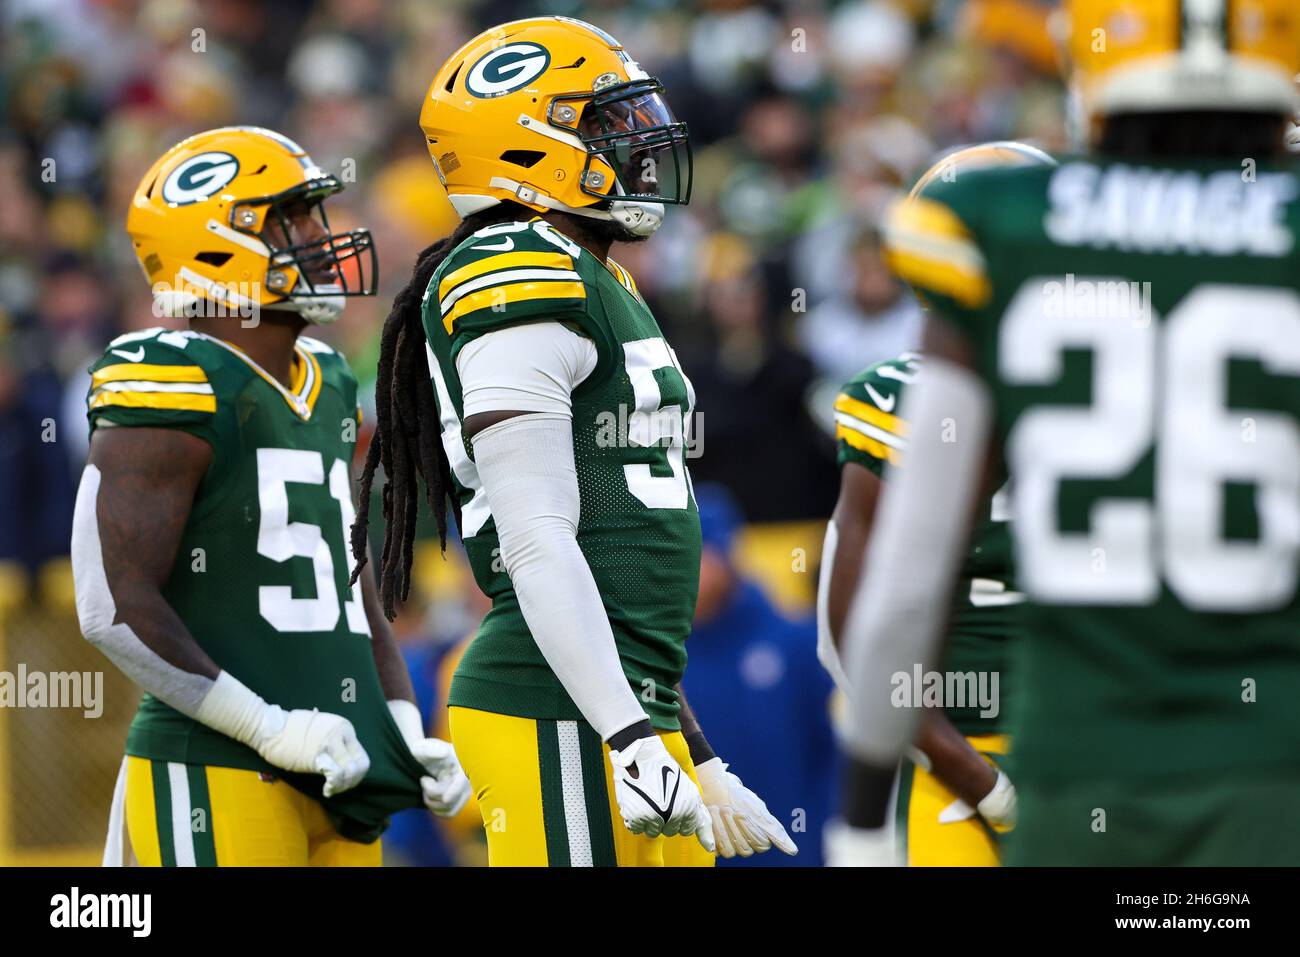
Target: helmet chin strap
x=638, y=218
x=318, y=310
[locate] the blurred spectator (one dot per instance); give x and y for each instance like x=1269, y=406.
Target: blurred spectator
x=752, y=431
x=876, y=319
x=36, y=485
x=754, y=682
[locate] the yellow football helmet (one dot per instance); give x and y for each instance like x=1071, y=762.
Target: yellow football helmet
x=210, y=222
x=1139, y=56
x=552, y=113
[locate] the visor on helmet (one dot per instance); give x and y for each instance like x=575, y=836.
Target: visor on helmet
x=631, y=127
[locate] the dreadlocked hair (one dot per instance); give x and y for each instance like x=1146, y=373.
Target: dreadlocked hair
x=408, y=435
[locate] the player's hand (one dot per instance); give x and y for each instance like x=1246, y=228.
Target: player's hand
x=445, y=787
x=998, y=807
x=313, y=742
x=742, y=823
x=655, y=796
x=858, y=847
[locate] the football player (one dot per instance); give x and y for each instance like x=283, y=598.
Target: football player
x=210, y=536
x=522, y=375
x=953, y=799
x=1125, y=327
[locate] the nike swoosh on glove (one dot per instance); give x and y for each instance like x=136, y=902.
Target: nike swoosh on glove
x=742, y=823
x=313, y=742
x=655, y=796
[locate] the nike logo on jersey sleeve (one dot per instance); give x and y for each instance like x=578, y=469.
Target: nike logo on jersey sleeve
x=886, y=403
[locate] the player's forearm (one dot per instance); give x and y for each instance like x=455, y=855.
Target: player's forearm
x=527, y=469
x=953, y=761
x=394, y=677
x=120, y=551
x=843, y=548
x=846, y=552
x=691, y=730
x=131, y=621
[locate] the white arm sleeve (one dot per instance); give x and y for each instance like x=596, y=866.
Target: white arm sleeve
x=223, y=703
x=919, y=538
x=528, y=368
x=96, y=612
x=526, y=466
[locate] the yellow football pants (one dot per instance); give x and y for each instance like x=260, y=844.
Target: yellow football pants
x=187, y=815
x=545, y=790
x=933, y=828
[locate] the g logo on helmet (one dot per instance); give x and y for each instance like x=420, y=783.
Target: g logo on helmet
x=199, y=177
x=507, y=69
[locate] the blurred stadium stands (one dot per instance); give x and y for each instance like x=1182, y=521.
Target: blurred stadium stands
x=806, y=117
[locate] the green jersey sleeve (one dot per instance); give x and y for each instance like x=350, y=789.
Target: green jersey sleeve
x=148, y=379
x=509, y=274
x=868, y=431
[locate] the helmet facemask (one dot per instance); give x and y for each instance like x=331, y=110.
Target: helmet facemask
x=630, y=128
x=315, y=275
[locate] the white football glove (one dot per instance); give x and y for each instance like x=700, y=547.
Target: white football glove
x=998, y=807
x=312, y=742
x=742, y=823
x=446, y=789
x=858, y=847
x=655, y=796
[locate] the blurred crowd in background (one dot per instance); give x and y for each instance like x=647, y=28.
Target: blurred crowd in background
x=806, y=118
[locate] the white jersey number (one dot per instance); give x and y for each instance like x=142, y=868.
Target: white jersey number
x=654, y=424
x=280, y=540
x=1167, y=386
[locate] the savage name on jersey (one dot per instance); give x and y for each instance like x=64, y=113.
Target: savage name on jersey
x=261, y=572
x=1151, y=312
x=985, y=616
x=639, y=529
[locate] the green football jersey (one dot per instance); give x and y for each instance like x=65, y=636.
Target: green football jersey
x=1139, y=327
x=986, y=611
x=261, y=572
x=639, y=529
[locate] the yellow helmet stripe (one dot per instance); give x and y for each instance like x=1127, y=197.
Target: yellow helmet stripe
x=152, y=373
x=503, y=261
x=519, y=292
x=869, y=413
x=156, y=400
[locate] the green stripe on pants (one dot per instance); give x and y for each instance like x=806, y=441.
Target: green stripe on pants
x=205, y=848
x=162, y=812
x=904, y=798
x=552, y=786
x=599, y=824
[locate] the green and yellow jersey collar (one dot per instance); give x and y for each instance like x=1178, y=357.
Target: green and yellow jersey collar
x=305, y=385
